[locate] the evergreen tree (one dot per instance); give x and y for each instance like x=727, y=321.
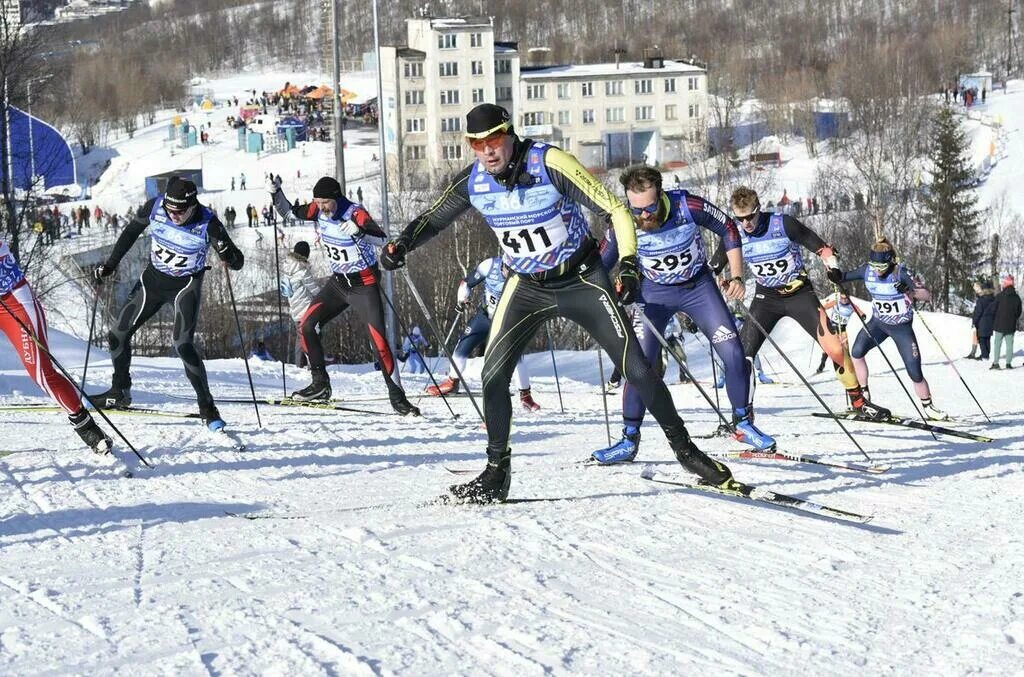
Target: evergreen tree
x=950, y=207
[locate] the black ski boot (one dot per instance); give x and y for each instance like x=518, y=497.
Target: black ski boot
x=90, y=433
x=115, y=398
x=211, y=417
x=491, y=486
x=317, y=391
x=696, y=461
x=864, y=407
x=401, y=404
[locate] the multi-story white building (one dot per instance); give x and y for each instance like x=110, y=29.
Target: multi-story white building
x=447, y=67
x=605, y=114
x=10, y=14
x=614, y=114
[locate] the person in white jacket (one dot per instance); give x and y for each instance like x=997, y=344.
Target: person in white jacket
x=298, y=286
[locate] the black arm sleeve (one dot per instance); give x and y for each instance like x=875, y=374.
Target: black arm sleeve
x=130, y=234
x=718, y=259
x=454, y=201
x=230, y=254
x=802, y=235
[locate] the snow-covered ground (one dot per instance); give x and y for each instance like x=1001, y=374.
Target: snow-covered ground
x=601, y=573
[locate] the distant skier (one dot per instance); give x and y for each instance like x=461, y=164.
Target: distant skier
x=893, y=292
x=494, y=275
x=839, y=309
x=346, y=231
x=772, y=245
x=180, y=231
x=412, y=351
x=19, y=301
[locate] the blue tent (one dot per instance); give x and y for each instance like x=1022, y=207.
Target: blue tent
x=47, y=152
x=292, y=123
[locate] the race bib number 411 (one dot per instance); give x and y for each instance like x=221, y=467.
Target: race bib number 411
x=531, y=241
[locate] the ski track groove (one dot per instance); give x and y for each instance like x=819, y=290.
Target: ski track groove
x=41, y=510
x=40, y=597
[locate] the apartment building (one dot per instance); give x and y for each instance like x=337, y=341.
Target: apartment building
x=428, y=85
x=614, y=114
x=10, y=13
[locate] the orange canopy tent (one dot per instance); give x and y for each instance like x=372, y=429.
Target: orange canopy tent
x=320, y=92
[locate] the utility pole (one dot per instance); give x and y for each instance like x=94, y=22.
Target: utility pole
x=339, y=137
x=389, y=278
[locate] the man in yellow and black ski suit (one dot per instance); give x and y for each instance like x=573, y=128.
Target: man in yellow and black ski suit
x=532, y=196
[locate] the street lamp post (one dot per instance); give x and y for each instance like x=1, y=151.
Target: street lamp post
x=389, y=278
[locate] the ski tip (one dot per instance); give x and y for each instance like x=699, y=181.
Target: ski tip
x=879, y=469
x=648, y=472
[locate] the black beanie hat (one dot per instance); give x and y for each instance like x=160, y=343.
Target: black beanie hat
x=327, y=188
x=486, y=119
x=180, y=194
x=301, y=249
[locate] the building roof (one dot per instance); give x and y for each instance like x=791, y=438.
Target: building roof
x=461, y=22
x=503, y=47
x=672, y=67
x=410, y=53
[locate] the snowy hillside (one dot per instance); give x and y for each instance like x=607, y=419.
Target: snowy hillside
x=595, y=572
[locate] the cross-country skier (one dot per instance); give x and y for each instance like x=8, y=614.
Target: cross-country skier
x=180, y=231
x=20, y=303
x=343, y=229
x=676, y=278
x=493, y=273
x=532, y=196
x=839, y=309
x=893, y=291
x=772, y=245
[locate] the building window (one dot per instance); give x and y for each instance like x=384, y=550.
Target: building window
x=566, y=144
x=670, y=85
x=645, y=86
x=451, y=152
x=478, y=67
x=617, y=114
x=587, y=88
x=447, y=41
x=644, y=113
x=449, y=69
x=534, y=118
x=449, y=97
x=478, y=96
x=476, y=39
x=503, y=93
x=563, y=90
x=414, y=125
x=692, y=84
x=413, y=97
x=451, y=124
x=414, y=70
x=536, y=91
x=694, y=135
x=613, y=88
x=694, y=110
x=671, y=112
x=415, y=152
x=564, y=118
x=588, y=116
x=503, y=66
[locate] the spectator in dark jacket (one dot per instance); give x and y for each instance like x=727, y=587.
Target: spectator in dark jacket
x=982, y=318
x=1004, y=325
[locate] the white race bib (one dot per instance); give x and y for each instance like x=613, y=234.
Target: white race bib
x=533, y=241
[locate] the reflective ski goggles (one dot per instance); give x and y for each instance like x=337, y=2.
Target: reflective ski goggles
x=492, y=141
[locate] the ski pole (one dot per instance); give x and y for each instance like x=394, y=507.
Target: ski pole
x=604, y=395
x=682, y=366
x=863, y=322
x=92, y=327
x=949, y=361
x=554, y=366
x=750, y=317
x=448, y=337
x=280, y=311
x=722, y=429
x=35, y=339
x=433, y=328
x=241, y=345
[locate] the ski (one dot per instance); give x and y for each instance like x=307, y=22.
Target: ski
x=906, y=423
x=776, y=455
x=289, y=402
x=763, y=495
x=46, y=406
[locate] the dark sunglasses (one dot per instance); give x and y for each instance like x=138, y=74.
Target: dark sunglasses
x=749, y=218
x=650, y=209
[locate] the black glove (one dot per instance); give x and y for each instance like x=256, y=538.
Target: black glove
x=232, y=256
x=902, y=287
x=102, y=271
x=628, y=283
x=392, y=255
x=834, y=275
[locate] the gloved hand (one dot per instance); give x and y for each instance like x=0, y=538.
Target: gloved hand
x=462, y=295
x=627, y=285
x=273, y=185
x=220, y=246
x=392, y=255
x=286, y=289
x=902, y=287
x=834, y=275
x=350, y=229
x=102, y=271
